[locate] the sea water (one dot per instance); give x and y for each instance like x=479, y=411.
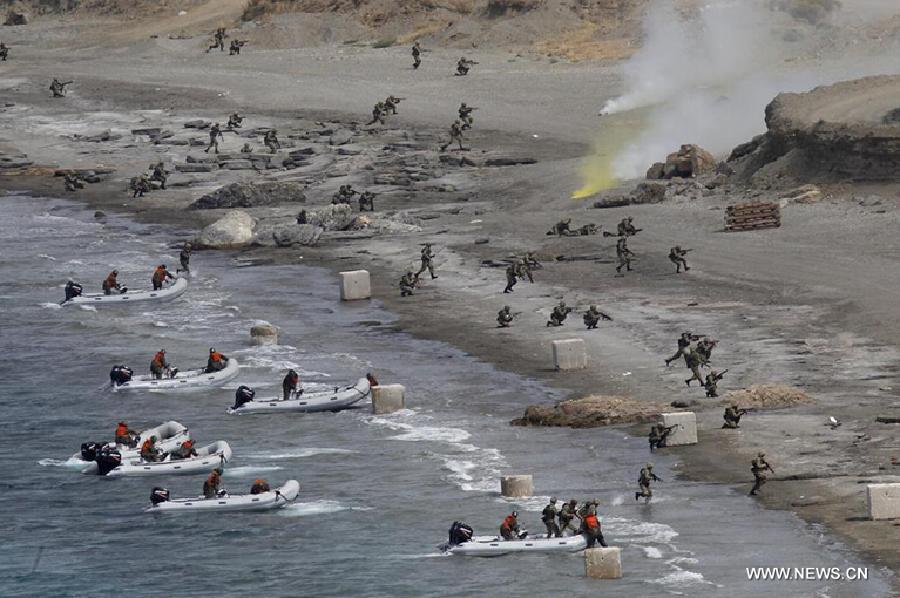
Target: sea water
x=378, y=493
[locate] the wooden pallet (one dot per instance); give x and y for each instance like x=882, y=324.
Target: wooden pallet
x=752, y=216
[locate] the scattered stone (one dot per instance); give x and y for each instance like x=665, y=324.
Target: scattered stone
x=591, y=412
x=804, y=194
x=251, y=195
x=196, y=167
x=888, y=419
x=341, y=136
x=508, y=161
x=98, y=138
x=197, y=124
x=299, y=234
x=767, y=396
x=233, y=230
x=150, y=131
x=680, y=404
x=689, y=161
x=648, y=193
x=657, y=171
x=482, y=241
x=99, y=214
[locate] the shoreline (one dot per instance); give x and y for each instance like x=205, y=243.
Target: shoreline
x=459, y=308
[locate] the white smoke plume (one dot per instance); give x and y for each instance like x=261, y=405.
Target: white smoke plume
x=706, y=78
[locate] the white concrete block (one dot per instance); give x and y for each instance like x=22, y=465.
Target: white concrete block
x=355, y=285
x=517, y=485
x=884, y=501
x=569, y=354
x=387, y=398
x=264, y=334
x=603, y=563
x=686, y=430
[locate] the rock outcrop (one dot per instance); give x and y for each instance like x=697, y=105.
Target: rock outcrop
x=235, y=229
x=689, y=161
x=592, y=412
x=251, y=195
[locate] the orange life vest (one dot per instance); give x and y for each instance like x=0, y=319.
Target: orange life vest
x=147, y=446
x=509, y=522
x=111, y=281
x=215, y=356
x=213, y=479
x=159, y=359
x=160, y=274
x=592, y=522
x=121, y=430
x=187, y=444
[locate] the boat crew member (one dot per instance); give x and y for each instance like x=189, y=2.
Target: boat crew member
x=149, y=452
x=548, y=516
x=216, y=362
x=125, y=435
x=159, y=277
x=566, y=515
x=73, y=289
x=211, y=485
x=591, y=529
x=371, y=380
x=259, y=486
x=110, y=283
x=509, y=529
x=291, y=384
x=159, y=365
x=185, y=451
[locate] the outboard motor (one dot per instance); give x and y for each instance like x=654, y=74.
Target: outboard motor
x=244, y=394
x=460, y=533
x=107, y=460
x=120, y=374
x=159, y=495
x=89, y=450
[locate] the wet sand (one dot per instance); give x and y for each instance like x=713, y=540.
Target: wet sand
x=810, y=304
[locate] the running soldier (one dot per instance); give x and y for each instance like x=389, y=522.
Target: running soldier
x=214, y=134
x=676, y=256
x=427, y=258
x=511, y=279
x=455, y=135
x=645, y=477
x=416, y=50
x=465, y=116
x=623, y=255
x=758, y=467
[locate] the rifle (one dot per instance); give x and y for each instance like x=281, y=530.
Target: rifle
x=721, y=375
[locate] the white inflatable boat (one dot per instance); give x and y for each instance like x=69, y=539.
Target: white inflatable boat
x=208, y=458
x=334, y=400
x=273, y=499
x=496, y=546
x=167, y=293
x=169, y=436
x=184, y=379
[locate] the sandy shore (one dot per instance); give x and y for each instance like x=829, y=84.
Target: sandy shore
x=810, y=304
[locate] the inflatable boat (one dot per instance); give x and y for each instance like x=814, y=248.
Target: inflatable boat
x=183, y=380
x=167, y=293
x=208, y=457
x=169, y=436
x=496, y=546
x=334, y=400
x=265, y=501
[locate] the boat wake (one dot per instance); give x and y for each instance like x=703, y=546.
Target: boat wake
x=318, y=507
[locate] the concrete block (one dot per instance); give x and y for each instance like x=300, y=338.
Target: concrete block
x=883, y=500
x=686, y=430
x=387, y=398
x=264, y=334
x=517, y=485
x=603, y=563
x=355, y=285
x=569, y=354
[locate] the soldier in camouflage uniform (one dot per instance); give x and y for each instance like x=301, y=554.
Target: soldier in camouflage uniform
x=427, y=258
x=593, y=316
x=523, y=270
x=511, y=278
x=271, y=141
x=623, y=255
x=676, y=256
x=505, y=317
x=684, y=343
x=566, y=514
x=378, y=112
x=548, y=517
x=758, y=467
x=559, y=314
x=214, y=133
x=159, y=174
x=390, y=103
x=465, y=116
x=732, y=417
x=407, y=284
x=455, y=135
x=646, y=476
x=693, y=362
x=416, y=50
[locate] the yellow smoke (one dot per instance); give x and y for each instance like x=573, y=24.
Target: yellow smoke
x=598, y=170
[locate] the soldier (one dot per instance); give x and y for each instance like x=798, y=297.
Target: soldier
x=4, y=51
x=377, y=114
x=561, y=228
x=684, y=342
x=548, y=517
x=214, y=133
x=653, y=437
x=234, y=48
x=523, y=270
x=159, y=174
x=407, y=284
x=416, y=50
x=427, y=258
x=465, y=116
x=390, y=103
x=367, y=200
x=663, y=433
x=271, y=141
x=235, y=121
x=219, y=42
x=532, y=261
x=455, y=135
x=505, y=317
x=758, y=467
x=626, y=228
x=588, y=230
x=623, y=255
x=559, y=314
x=712, y=381
x=693, y=363
x=140, y=185
x=676, y=256
x=593, y=316
x=704, y=349
x=511, y=279
x=58, y=88
x=463, y=66
x=733, y=416
x=646, y=476
x=73, y=181
x=566, y=515
x=185, y=258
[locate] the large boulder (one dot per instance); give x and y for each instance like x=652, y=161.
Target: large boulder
x=14, y=18
x=689, y=161
x=296, y=234
x=235, y=229
x=332, y=217
x=251, y=195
